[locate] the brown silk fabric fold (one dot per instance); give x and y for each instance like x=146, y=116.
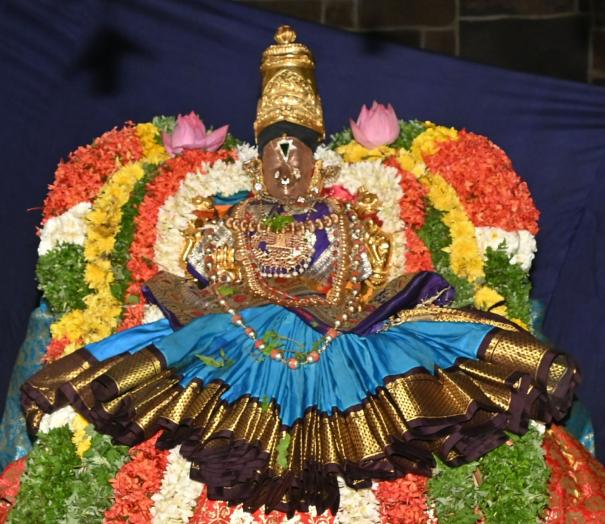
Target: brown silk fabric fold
x=457, y=414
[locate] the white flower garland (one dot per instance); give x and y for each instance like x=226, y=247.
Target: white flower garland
x=177, y=498
x=384, y=182
x=357, y=506
x=70, y=227
x=62, y=417
x=225, y=178
x=520, y=245
x=152, y=313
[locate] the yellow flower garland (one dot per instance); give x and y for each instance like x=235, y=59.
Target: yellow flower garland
x=100, y=317
x=81, y=438
x=153, y=151
x=355, y=152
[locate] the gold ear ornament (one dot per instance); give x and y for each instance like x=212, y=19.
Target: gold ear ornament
x=254, y=169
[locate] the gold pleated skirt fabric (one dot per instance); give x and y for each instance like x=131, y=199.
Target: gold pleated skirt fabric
x=244, y=452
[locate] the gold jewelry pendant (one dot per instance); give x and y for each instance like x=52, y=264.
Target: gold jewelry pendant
x=254, y=169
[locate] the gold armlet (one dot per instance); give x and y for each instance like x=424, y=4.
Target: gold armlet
x=378, y=244
x=205, y=211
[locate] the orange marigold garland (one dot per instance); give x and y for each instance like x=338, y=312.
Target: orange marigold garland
x=403, y=501
x=484, y=179
x=136, y=482
x=88, y=167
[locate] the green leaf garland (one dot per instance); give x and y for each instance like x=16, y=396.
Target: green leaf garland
x=436, y=236
x=125, y=236
x=507, y=486
x=408, y=131
x=342, y=138
x=47, y=482
x=510, y=281
x=60, y=274
x=92, y=493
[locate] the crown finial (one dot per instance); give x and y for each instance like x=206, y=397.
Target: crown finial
x=285, y=35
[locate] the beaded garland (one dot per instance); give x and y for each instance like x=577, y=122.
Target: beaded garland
x=348, y=263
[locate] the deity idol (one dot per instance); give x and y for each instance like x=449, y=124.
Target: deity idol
x=289, y=357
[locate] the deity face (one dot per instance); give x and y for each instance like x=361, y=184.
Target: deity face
x=287, y=168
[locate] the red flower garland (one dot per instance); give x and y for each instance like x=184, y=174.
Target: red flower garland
x=56, y=349
x=136, y=482
x=219, y=512
x=489, y=188
x=412, y=212
x=141, y=264
x=88, y=167
x=403, y=501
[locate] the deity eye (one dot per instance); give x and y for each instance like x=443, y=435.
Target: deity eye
x=285, y=146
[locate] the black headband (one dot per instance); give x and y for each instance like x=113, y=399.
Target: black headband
x=304, y=134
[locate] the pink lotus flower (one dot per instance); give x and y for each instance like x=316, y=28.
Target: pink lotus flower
x=190, y=133
x=375, y=127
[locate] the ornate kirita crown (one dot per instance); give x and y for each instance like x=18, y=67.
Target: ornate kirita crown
x=289, y=92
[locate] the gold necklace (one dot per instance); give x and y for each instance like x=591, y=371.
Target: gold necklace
x=258, y=285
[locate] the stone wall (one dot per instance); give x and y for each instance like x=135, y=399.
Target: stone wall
x=560, y=38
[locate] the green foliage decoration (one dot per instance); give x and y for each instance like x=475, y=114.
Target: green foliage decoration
x=507, y=486
x=510, y=281
x=60, y=274
x=121, y=252
x=47, y=482
x=436, y=236
x=91, y=492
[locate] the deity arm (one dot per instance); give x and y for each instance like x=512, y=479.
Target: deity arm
x=377, y=245
x=209, y=246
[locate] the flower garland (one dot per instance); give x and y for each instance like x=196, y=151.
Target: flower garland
x=125, y=236
x=403, y=501
x=68, y=228
x=385, y=184
x=102, y=309
x=135, y=483
x=91, y=491
x=82, y=176
x=520, y=246
x=357, y=505
x=483, y=177
x=412, y=211
x=176, y=500
x=144, y=231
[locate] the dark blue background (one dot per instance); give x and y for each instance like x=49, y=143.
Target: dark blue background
x=73, y=69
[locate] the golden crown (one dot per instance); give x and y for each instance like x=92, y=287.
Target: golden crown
x=289, y=92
